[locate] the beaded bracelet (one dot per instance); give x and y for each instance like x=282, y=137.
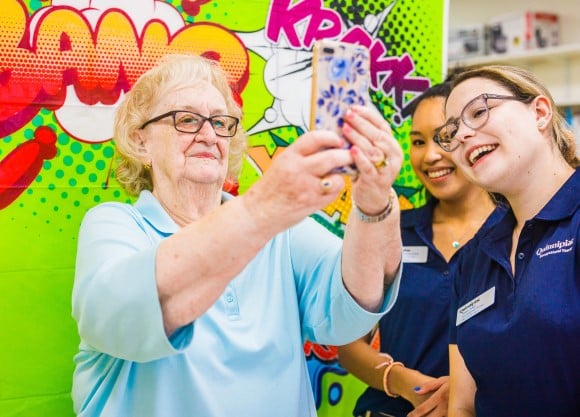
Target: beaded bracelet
x=367, y=218
x=386, y=377
x=387, y=362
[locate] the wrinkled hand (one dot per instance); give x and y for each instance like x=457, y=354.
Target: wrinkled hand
x=298, y=182
x=431, y=399
x=377, y=155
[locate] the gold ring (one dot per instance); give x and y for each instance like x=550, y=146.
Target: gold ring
x=325, y=184
x=382, y=163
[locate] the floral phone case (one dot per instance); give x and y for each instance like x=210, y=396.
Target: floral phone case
x=340, y=78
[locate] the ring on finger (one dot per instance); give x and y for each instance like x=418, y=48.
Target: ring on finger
x=325, y=184
x=382, y=163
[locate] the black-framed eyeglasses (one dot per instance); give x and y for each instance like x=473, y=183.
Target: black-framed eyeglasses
x=190, y=122
x=474, y=115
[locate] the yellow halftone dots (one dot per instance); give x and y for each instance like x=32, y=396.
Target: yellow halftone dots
x=342, y=203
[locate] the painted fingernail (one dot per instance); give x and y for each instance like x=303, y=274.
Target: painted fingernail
x=416, y=389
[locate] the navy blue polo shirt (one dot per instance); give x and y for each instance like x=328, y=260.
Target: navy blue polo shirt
x=522, y=343
x=415, y=330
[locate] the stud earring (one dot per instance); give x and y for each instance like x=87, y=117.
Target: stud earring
x=541, y=123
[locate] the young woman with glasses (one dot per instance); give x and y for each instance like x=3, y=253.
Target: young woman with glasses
x=408, y=375
x=515, y=328
x=193, y=302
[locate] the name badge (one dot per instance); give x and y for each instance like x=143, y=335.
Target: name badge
x=415, y=254
x=473, y=307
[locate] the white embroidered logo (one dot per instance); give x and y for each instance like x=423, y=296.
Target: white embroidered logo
x=555, y=248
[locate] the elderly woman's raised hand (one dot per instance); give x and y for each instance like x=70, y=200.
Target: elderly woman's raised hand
x=377, y=155
x=300, y=180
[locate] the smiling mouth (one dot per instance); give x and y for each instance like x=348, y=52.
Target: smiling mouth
x=439, y=173
x=478, y=153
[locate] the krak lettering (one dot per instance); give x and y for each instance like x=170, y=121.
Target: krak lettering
x=390, y=75
x=285, y=18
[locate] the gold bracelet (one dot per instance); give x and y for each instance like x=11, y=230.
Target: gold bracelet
x=367, y=218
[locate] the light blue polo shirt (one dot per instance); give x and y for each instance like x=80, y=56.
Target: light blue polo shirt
x=243, y=357
x=519, y=334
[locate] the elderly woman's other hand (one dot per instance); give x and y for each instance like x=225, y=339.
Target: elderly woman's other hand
x=376, y=154
x=299, y=181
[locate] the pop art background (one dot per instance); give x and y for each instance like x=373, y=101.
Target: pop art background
x=64, y=64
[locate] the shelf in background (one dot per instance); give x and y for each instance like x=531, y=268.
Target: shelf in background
x=523, y=58
x=558, y=66
x=574, y=103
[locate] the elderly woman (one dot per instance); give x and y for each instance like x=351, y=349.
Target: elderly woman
x=190, y=302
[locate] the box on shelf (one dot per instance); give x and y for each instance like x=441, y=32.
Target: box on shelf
x=466, y=42
x=521, y=31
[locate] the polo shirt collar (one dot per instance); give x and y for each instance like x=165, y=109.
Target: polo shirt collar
x=420, y=221
x=155, y=214
x=421, y=216
x=565, y=202
x=562, y=205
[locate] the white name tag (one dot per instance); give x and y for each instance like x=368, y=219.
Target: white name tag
x=415, y=254
x=473, y=307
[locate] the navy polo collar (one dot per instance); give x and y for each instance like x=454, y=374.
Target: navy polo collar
x=562, y=205
x=565, y=202
x=420, y=216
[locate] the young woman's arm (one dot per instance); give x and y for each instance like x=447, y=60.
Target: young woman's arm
x=461, y=386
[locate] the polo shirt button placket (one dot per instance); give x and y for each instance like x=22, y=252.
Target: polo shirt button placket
x=232, y=306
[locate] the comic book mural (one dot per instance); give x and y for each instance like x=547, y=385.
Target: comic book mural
x=64, y=66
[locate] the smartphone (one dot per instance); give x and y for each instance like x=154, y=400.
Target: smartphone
x=340, y=78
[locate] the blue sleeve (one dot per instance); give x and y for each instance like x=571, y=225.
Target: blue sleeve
x=115, y=300
x=329, y=314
